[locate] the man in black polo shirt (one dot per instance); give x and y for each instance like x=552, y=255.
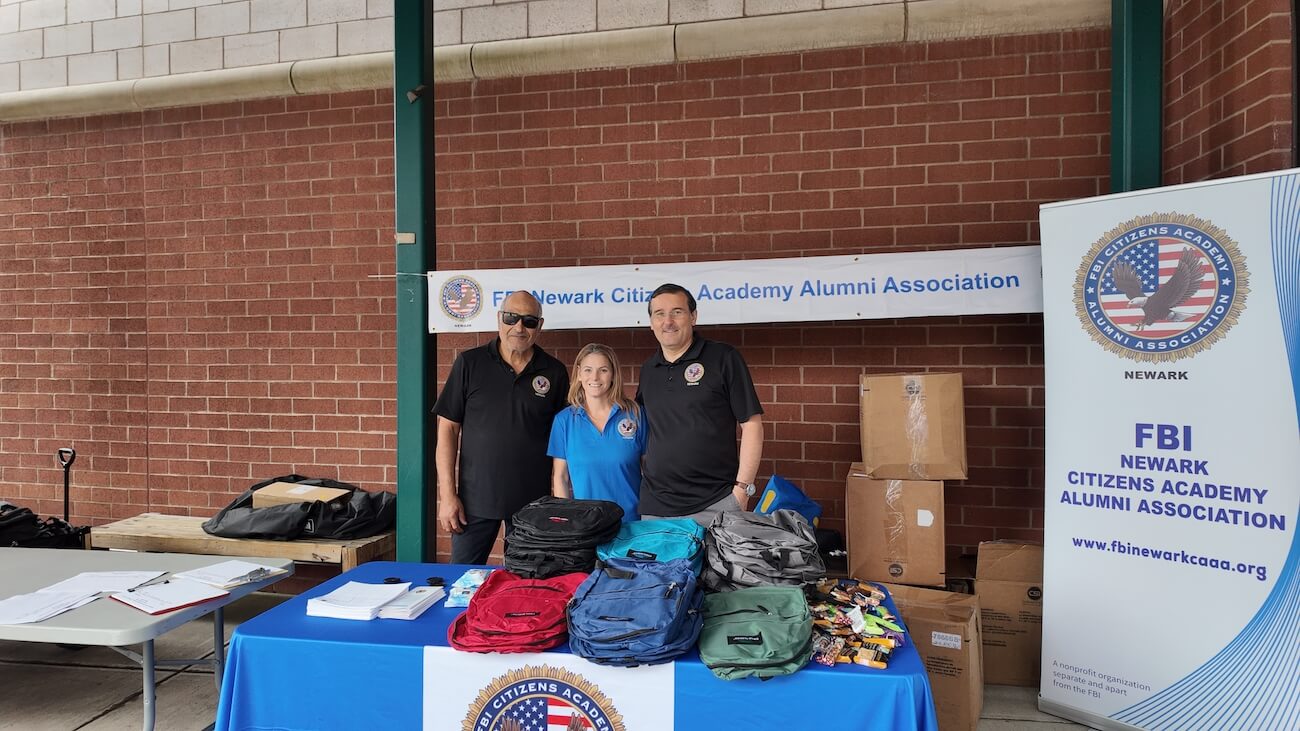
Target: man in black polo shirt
x=495, y=412
x=695, y=392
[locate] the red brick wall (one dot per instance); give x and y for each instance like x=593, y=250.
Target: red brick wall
x=1228, y=89
x=195, y=299
x=901, y=147
x=198, y=298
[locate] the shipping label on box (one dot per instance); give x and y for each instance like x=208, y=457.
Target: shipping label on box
x=945, y=629
x=281, y=493
x=1009, y=584
x=913, y=426
x=895, y=529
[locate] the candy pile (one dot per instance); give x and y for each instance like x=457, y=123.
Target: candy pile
x=851, y=623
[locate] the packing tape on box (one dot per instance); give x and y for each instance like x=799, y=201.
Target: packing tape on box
x=895, y=521
x=918, y=427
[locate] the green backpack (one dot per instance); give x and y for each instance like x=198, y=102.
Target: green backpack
x=761, y=631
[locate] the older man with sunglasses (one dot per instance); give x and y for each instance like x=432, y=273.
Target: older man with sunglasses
x=494, y=418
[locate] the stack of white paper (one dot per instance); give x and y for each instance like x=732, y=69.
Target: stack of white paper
x=355, y=600
x=232, y=573
x=411, y=604
x=98, y=581
x=41, y=605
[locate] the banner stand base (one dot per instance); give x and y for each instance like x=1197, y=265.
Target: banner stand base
x=1078, y=715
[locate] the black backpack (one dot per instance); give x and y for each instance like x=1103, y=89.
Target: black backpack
x=21, y=528
x=553, y=536
x=364, y=514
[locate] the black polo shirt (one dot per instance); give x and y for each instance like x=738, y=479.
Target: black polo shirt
x=693, y=406
x=505, y=424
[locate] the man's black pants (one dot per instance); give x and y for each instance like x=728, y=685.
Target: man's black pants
x=473, y=544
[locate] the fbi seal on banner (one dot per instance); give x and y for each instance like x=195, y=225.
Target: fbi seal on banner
x=461, y=298
x=539, y=698
x=1161, y=287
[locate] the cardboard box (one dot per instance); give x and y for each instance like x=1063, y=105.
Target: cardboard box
x=281, y=493
x=913, y=426
x=1009, y=584
x=895, y=529
x=945, y=629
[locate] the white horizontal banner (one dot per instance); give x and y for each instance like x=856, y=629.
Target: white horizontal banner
x=805, y=289
x=551, y=691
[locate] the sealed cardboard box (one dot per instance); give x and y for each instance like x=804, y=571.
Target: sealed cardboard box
x=913, y=426
x=1009, y=584
x=945, y=629
x=281, y=493
x=895, y=529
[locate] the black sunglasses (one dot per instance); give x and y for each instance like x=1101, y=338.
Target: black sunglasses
x=531, y=322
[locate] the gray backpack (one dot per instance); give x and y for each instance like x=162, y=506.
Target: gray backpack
x=748, y=549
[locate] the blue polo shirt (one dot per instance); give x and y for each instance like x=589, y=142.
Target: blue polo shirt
x=602, y=466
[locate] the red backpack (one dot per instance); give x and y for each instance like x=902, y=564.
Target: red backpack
x=512, y=614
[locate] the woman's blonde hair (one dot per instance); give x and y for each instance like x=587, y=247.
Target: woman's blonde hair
x=578, y=396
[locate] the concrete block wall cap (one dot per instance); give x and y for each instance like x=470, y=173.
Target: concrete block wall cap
x=347, y=73
x=253, y=82
x=941, y=19
x=551, y=54
x=68, y=101
x=858, y=26
x=452, y=63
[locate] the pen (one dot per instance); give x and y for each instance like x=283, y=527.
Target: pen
x=254, y=575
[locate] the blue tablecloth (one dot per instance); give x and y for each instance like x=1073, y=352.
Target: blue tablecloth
x=287, y=671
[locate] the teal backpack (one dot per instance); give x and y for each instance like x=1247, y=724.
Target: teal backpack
x=657, y=540
x=760, y=632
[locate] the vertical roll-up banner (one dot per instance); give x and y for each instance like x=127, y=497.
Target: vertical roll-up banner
x=1172, y=326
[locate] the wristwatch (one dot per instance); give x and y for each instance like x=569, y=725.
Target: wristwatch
x=750, y=488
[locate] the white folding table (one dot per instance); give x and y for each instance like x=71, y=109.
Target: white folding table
x=109, y=623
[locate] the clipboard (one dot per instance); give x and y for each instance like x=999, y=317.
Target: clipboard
x=168, y=596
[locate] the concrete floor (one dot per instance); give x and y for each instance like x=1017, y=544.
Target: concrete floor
x=53, y=688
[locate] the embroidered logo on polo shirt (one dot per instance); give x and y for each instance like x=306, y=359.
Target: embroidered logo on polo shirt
x=693, y=373
x=627, y=428
x=541, y=385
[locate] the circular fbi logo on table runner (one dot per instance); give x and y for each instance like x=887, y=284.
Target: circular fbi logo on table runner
x=461, y=298
x=1161, y=287
x=542, y=698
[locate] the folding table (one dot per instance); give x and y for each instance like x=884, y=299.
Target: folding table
x=109, y=623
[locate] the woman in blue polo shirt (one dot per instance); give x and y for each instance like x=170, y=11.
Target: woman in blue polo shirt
x=597, y=442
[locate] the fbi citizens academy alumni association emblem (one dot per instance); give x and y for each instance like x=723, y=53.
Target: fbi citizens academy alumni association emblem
x=542, y=698
x=1161, y=287
x=461, y=298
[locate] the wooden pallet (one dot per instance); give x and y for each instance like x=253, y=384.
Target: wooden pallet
x=184, y=534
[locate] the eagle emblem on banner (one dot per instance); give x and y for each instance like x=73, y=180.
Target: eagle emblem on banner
x=461, y=298
x=1161, y=287
x=542, y=698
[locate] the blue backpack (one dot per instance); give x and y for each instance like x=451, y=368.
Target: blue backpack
x=657, y=540
x=631, y=612
x=781, y=494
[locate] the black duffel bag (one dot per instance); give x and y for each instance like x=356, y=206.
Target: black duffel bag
x=552, y=536
x=21, y=528
x=362, y=515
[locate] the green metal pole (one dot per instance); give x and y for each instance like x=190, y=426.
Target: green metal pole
x=416, y=356
x=1137, y=74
